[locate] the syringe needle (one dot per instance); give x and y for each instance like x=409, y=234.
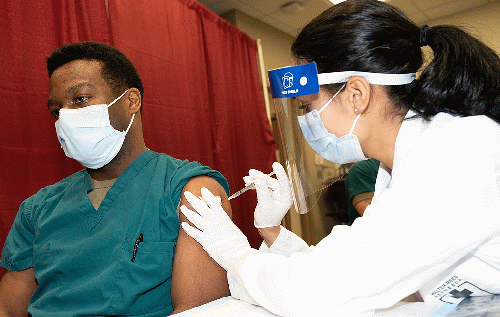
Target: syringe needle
x=246, y=188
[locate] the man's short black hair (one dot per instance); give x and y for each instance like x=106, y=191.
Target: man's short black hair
x=117, y=69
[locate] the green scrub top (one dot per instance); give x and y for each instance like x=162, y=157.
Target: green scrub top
x=361, y=178
x=83, y=258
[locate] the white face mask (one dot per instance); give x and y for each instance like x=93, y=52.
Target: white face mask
x=341, y=150
x=87, y=136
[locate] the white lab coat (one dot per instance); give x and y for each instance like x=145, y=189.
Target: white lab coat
x=433, y=227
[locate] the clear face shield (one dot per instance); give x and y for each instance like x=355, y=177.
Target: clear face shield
x=308, y=172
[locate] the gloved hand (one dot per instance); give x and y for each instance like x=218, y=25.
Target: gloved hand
x=274, y=196
x=215, y=231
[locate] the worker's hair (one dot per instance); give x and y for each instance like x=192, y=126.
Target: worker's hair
x=463, y=78
x=117, y=70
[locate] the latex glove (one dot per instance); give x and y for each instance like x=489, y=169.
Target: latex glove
x=274, y=196
x=215, y=231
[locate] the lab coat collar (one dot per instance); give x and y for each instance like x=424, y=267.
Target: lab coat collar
x=409, y=132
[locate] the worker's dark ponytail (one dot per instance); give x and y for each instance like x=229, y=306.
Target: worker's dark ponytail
x=463, y=78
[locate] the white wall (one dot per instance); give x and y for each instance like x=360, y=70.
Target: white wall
x=275, y=43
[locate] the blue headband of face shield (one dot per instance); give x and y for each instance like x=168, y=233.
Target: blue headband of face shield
x=294, y=81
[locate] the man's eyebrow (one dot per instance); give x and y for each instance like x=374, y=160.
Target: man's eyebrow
x=71, y=90
x=78, y=86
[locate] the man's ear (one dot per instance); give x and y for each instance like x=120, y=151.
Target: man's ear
x=358, y=94
x=134, y=100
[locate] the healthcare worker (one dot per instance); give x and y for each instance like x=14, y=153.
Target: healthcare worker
x=433, y=227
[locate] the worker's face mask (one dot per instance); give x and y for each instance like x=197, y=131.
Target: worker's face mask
x=87, y=136
x=341, y=150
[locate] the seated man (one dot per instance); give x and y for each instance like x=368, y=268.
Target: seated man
x=102, y=241
x=360, y=187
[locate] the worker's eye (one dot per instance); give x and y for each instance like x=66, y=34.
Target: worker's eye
x=305, y=108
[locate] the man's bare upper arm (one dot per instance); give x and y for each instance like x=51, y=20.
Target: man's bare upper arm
x=16, y=289
x=196, y=278
x=361, y=201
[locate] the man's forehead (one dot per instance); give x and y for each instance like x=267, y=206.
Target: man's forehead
x=79, y=68
x=76, y=72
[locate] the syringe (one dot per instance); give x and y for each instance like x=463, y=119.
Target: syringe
x=244, y=189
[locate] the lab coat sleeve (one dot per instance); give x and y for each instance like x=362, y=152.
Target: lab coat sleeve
x=432, y=217
x=285, y=244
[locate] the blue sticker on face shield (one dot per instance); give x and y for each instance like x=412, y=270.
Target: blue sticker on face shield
x=294, y=81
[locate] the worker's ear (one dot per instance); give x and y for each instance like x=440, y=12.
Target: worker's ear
x=358, y=94
x=134, y=100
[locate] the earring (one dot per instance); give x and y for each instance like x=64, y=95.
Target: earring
x=356, y=110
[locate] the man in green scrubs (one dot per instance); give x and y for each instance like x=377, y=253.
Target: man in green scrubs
x=102, y=241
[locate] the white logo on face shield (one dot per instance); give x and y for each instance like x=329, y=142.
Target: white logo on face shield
x=287, y=80
x=303, y=81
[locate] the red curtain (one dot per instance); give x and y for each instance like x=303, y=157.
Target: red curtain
x=29, y=151
x=202, y=100
x=202, y=94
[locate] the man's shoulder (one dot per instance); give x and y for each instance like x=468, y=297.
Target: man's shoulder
x=181, y=171
x=173, y=162
x=61, y=186
x=364, y=168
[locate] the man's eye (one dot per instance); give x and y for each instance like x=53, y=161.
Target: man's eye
x=81, y=99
